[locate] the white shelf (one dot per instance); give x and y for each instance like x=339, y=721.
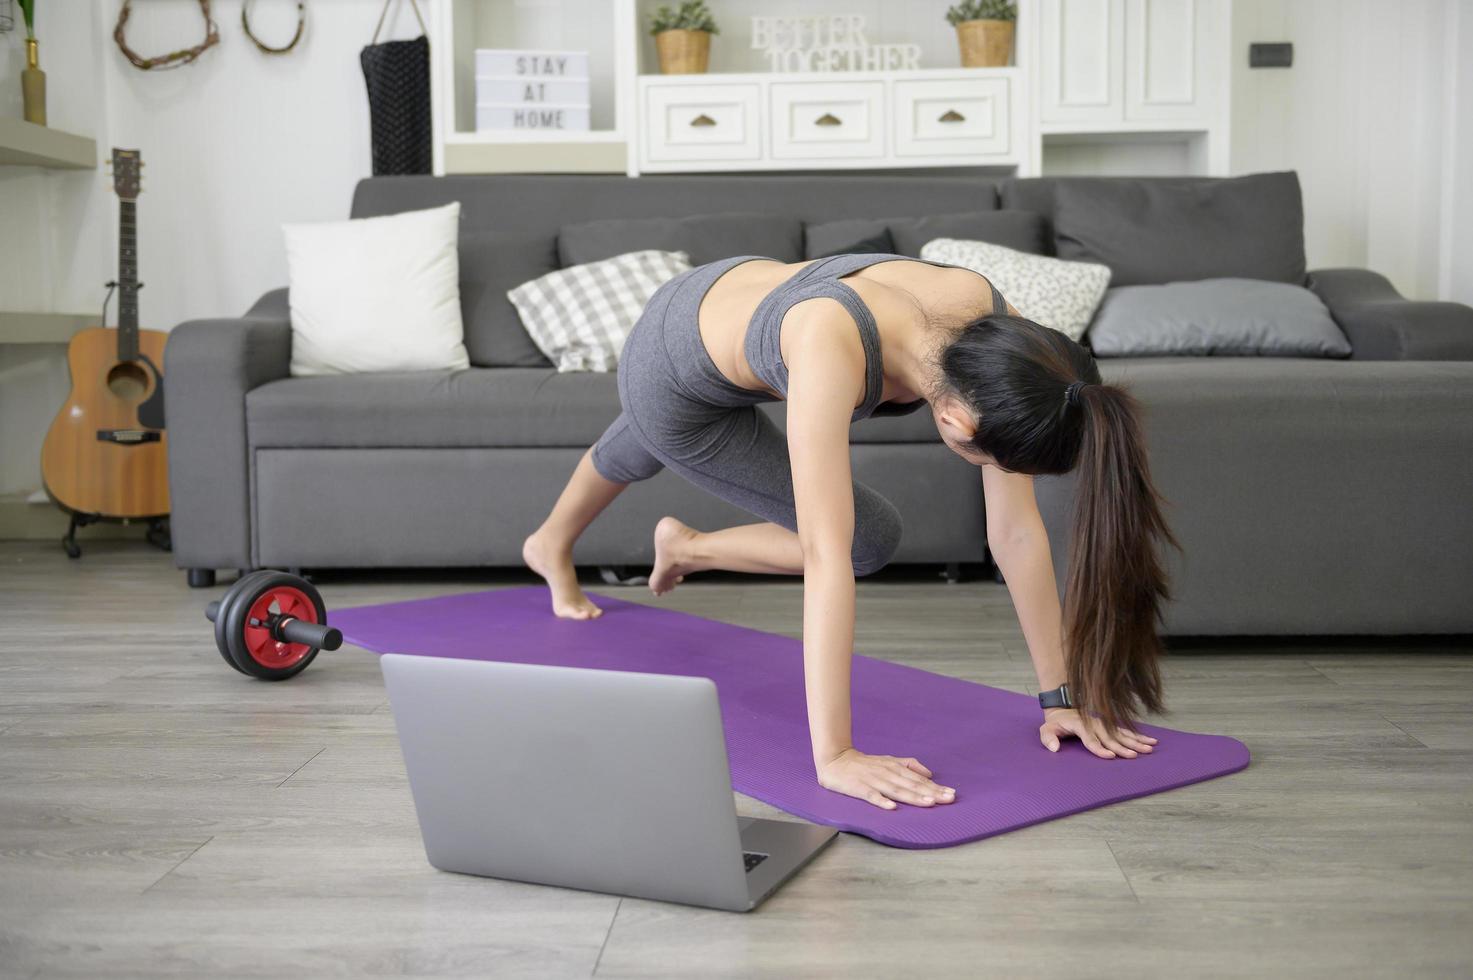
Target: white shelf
x=487, y=136
x=42, y=328
x=719, y=77
x=1049, y=130
x=26, y=144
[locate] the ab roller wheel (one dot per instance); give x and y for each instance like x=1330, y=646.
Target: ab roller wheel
x=270, y=625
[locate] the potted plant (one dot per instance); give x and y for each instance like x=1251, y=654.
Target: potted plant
x=683, y=37
x=984, y=30
x=32, y=78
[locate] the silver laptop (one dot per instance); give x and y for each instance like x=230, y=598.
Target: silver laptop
x=602, y=780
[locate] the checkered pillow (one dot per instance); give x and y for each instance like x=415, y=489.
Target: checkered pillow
x=580, y=316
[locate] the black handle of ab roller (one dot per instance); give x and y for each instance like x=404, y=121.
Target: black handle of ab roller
x=318, y=635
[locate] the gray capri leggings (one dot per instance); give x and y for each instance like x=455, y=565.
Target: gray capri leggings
x=680, y=412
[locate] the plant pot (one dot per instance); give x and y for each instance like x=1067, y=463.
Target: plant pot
x=985, y=43
x=683, y=52
x=33, y=86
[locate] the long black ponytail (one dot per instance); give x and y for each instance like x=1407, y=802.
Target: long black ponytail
x=1015, y=375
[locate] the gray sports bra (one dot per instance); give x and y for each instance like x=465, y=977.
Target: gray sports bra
x=821, y=278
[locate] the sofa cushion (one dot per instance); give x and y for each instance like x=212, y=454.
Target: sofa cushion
x=376, y=294
x=1057, y=293
x=704, y=237
x=863, y=241
x=491, y=263
x=581, y=316
x=480, y=407
x=1023, y=231
x=1243, y=317
x=1151, y=232
x=484, y=407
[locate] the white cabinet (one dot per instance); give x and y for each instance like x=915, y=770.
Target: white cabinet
x=1106, y=63
x=822, y=119
x=953, y=117
x=844, y=120
x=1082, y=52
x=1166, y=46
x=686, y=122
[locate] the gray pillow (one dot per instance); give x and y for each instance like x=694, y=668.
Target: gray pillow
x=1155, y=232
x=704, y=237
x=880, y=243
x=1231, y=317
x=1020, y=230
x=490, y=264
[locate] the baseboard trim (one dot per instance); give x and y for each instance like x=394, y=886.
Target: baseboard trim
x=24, y=520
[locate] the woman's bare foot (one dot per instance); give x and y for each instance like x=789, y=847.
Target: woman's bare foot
x=672, y=554
x=556, y=566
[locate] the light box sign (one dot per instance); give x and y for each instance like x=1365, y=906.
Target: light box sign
x=531, y=89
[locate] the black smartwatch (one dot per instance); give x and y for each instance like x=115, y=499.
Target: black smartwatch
x=1057, y=698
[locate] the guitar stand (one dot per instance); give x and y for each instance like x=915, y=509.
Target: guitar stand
x=69, y=540
x=157, y=534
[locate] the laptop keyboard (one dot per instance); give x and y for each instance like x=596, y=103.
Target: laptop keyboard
x=752, y=859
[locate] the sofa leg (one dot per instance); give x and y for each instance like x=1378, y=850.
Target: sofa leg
x=952, y=573
x=621, y=575
x=201, y=578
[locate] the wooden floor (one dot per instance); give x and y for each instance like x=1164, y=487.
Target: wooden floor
x=162, y=816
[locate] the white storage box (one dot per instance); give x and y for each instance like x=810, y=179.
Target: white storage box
x=536, y=63
x=531, y=90
x=531, y=115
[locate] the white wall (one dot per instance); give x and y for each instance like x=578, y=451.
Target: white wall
x=1362, y=116
x=57, y=241
x=1456, y=281
x=233, y=145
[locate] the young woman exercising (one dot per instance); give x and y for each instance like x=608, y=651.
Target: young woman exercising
x=839, y=339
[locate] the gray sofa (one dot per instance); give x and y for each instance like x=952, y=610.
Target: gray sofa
x=1311, y=495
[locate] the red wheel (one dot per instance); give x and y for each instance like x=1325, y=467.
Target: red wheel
x=245, y=624
x=280, y=601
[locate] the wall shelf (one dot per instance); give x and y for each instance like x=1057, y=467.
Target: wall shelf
x=1116, y=84
x=42, y=328
x=26, y=144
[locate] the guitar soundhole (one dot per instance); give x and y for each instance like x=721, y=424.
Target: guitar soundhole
x=127, y=381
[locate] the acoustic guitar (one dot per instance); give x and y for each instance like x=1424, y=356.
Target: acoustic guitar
x=105, y=455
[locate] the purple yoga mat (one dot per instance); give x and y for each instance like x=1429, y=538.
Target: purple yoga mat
x=979, y=739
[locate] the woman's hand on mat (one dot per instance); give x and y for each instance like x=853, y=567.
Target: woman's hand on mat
x=882, y=780
x=1060, y=723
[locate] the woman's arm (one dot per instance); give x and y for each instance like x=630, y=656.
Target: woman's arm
x=1019, y=544
x=826, y=371
x=823, y=385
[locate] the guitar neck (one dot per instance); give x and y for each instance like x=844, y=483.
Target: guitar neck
x=128, y=280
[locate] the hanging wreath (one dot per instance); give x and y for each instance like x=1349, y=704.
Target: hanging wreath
x=245, y=25
x=174, y=59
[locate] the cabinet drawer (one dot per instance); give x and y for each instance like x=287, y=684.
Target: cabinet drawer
x=819, y=120
x=942, y=117
x=701, y=122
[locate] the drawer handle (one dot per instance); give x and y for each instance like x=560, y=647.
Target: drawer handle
x=951, y=115
x=703, y=120
x=828, y=119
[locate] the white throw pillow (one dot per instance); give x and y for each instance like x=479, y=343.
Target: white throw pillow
x=376, y=294
x=580, y=316
x=1058, y=294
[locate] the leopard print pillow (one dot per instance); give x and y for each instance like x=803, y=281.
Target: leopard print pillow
x=1058, y=294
